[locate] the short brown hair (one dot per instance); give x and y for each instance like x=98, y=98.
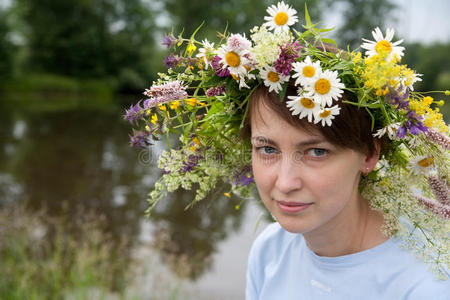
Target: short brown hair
x=350, y=129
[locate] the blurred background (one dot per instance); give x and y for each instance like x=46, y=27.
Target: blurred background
x=72, y=191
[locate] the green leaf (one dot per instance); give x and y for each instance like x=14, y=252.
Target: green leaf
x=283, y=91
x=215, y=107
x=307, y=18
x=329, y=41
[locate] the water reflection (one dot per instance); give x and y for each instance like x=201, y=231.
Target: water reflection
x=188, y=239
x=77, y=160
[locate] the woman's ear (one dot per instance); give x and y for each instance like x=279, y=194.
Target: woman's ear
x=371, y=160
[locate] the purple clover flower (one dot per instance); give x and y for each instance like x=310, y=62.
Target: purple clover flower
x=134, y=113
x=220, y=71
x=169, y=40
x=289, y=52
x=215, y=91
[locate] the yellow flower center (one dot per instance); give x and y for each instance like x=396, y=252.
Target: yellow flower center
x=272, y=76
x=383, y=46
x=232, y=59
x=235, y=77
x=426, y=162
x=308, y=103
x=322, y=86
x=309, y=71
x=281, y=18
x=325, y=113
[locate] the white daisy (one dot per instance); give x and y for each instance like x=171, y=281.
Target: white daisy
x=391, y=130
x=326, y=88
x=421, y=165
x=233, y=59
x=306, y=71
x=409, y=81
x=326, y=115
x=281, y=17
x=383, y=44
x=242, y=80
x=304, y=106
x=207, y=53
x=272, y=78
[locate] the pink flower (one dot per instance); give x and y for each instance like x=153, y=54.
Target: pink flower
x=435, y=207
x=239, y=42
x=163, y=93
x=438, y=138
x=440, y=189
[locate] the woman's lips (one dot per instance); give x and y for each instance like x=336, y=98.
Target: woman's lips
x=292, y=207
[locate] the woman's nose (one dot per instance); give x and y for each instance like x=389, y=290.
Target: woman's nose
x=288, y=174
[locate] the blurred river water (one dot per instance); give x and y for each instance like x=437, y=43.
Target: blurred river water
x=75, y=159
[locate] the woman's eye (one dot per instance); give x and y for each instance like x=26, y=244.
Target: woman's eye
x=317, y=152
x=266, y=150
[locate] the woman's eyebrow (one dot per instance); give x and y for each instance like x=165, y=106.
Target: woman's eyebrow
x=263, y=140
x=266, y=141
x=313, y=141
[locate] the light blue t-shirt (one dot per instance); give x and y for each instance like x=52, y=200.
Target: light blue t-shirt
x=282, y=267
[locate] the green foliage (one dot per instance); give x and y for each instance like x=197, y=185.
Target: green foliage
x=433, y=61
x=41, y=261
x=236, y=15
x=92, y=38
x=46, y=91
x=6, y=48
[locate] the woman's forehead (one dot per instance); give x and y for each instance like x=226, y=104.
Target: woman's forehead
x=268, y=123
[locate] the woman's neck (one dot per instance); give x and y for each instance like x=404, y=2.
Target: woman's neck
x=357, y=230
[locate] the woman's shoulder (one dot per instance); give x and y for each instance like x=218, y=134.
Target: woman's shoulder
x=273, y=239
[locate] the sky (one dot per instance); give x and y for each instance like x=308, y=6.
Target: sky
x=416, y=21
x=424, y=21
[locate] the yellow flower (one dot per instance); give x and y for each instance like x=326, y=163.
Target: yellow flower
x=427, y=100
x=191, y=101
x=154, y=119
x=447, y=93
x=174, y=105
x=147, y=127
x=196, y=141
x=379, y=73
x=148, y=112
x=227, y=195
x=356, y=57
x=191, y=48
x=162, y=107
x=440, y=103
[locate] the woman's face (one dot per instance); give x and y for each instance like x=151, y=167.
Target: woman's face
x=308, y=184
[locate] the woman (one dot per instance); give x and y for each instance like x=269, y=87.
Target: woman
x=327, y=242
x=337, y=141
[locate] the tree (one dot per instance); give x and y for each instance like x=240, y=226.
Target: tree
x=6, y=47
x=238, y=15
x=360, y=18
x=89, y=38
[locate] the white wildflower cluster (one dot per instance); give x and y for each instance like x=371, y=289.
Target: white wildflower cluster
x=420, y=231
x=266, y=49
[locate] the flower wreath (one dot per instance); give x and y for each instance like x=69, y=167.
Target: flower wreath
x=204, y=98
